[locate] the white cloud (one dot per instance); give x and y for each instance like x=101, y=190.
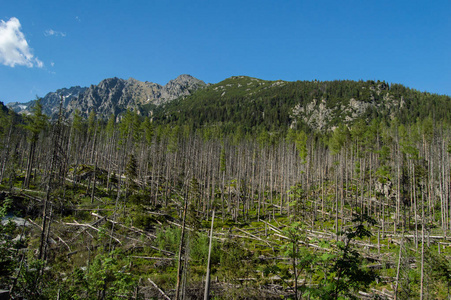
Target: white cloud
x=14, y=49
x=51, y=32
x=52, y=64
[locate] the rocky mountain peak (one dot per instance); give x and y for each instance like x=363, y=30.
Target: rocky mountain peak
x=113, y=96
x=183, y=85
x=110, y=83
x=185, y=78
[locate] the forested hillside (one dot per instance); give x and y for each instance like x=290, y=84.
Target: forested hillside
x=313, y=190
x=253, y=105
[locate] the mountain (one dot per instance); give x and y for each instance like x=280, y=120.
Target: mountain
x=50, y=102
x=250, y=105
x=113, y=96
x=255, y=105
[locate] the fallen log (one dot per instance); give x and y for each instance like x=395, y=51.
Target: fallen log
x=123, y=226
x=92, y=227
x=153, y=257
x=158, y=288
x=255, y=237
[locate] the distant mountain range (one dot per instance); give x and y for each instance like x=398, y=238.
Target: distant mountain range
x=50, y=103
x=112, y=96
x=247, y=104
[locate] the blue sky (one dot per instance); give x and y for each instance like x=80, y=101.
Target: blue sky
x=47, y=45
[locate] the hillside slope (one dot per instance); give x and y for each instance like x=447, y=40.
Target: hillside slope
x=256, y=104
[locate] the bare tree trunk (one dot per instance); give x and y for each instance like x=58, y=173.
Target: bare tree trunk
x=179, y=263
x=336, y=202
x=94, y=181
x=207, y=280
x=8, y=143
x=422, y=251
x=29, y=165
x=399, y=267
x=222, y=195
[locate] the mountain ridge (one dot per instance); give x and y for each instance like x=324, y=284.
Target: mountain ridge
x=250, y=103
x=257, y=105
x=112, y=96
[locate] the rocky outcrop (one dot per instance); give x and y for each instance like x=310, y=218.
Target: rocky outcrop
x=112, y=96
x=322, y=116
x=181, y=86
x=316, y=114
x=115, y=95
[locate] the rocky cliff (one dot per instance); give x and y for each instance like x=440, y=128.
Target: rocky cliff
x=113, y=96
